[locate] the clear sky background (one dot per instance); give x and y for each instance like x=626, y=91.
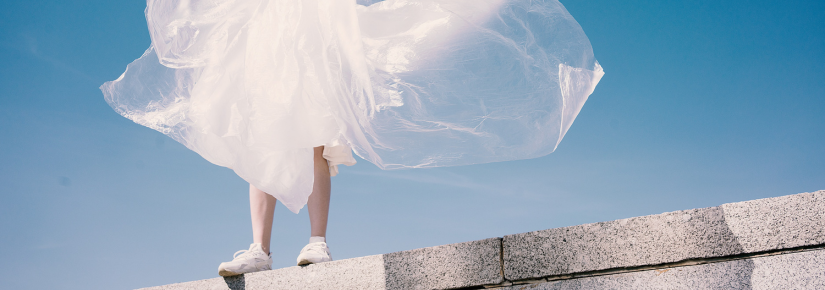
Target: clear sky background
x=703, y=103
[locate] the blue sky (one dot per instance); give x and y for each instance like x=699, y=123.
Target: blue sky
x=703, y=103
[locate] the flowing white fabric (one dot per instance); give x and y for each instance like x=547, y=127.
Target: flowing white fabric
x=254, y=85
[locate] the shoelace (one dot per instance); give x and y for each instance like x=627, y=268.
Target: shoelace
x=243, y=254
x=320, y=247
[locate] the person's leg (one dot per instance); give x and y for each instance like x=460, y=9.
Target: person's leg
x=257, y=258
x=317, y=251
x=262, y=206
x=318, y=203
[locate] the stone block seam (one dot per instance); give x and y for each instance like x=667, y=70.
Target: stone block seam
x=782, y=226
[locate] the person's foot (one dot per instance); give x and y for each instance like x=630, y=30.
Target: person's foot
x=246, y=261
x=313, y=253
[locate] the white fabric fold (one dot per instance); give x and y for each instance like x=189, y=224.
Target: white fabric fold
x=254, y=85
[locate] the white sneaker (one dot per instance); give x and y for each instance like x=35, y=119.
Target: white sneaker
x=252, y=260
x=314, y=253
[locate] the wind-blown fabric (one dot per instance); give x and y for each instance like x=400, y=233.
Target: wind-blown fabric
x=254, y=85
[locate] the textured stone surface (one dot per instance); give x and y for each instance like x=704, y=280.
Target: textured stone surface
x=359, y=273
x=778, y=223
x=730, y=229
x=448, y=266
x=805, y=270
x=208, y=284
x=443, y=267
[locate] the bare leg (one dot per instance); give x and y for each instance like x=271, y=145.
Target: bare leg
x=318, y=203
x=262, y=206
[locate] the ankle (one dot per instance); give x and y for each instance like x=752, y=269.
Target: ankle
x=317, y=239
x=265, y=249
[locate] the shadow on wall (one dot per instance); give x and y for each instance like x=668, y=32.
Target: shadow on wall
x=728, y=244
x=641, y=241
x=673, y=236
x=706, y=234
x=235, y=282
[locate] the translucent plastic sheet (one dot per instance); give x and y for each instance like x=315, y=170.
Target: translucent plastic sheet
x=253, y=85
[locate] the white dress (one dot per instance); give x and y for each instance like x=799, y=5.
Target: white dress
x=254, y=85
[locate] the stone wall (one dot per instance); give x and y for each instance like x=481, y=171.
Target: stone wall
x=771, y=243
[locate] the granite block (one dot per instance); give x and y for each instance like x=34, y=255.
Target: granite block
x=801, y=270
x=778, y=223
x=358, y=273
x=208, y=284
x=755, y=226
x=444, y=267
x=730, y=229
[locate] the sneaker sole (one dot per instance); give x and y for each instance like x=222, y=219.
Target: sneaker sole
x=225, y=273
x=304, y=262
